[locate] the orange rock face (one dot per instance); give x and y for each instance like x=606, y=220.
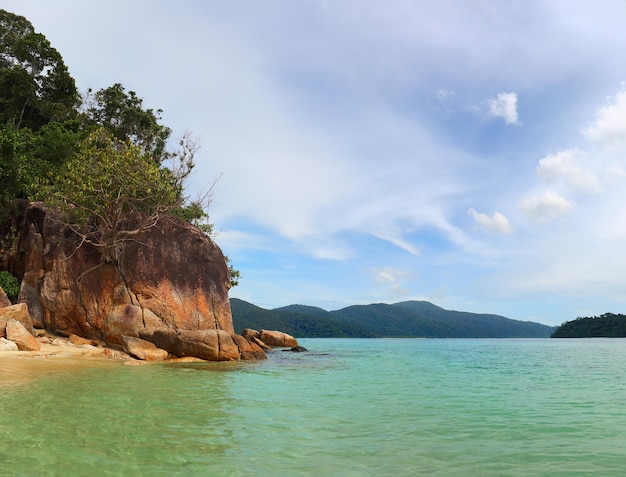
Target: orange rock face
x=172, y=277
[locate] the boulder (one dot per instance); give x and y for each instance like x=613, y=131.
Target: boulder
x=297, y=349
x=25, y=341
x=249, y=333
x=259, y=343
x=247, y=349
x=171, y=277
x=17, y=312
x=6, y=345
x=277, y=339
x=142, y=349
x=210, y=345
x=4, y=299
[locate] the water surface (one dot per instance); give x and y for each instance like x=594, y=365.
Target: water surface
x=347, y=408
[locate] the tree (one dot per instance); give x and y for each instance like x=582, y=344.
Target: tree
x=35, y=86
x=123, y=115
x=111, y=192
x=103, y=159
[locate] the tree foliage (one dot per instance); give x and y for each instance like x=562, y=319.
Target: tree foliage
x=103, y=159
x=110, y=192
x=608, y=325
x=124, y=116
x=10, y=285
x=35, y=85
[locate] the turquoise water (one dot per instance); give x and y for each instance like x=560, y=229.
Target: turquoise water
x=347, y=408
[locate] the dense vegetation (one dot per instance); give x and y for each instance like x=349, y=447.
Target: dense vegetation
x=406, y=319
x=608, y=325
x=102, y=159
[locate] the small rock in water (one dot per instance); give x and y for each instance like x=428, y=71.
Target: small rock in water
x=297, y=349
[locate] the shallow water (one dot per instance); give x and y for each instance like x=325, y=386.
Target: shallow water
x=347, y=408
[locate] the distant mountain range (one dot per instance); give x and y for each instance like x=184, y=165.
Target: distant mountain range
x=409, y=319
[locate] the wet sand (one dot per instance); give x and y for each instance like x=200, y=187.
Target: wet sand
x=18, y=367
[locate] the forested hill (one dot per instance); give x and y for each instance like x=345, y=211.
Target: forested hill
x=410, y=319
x=608, y=325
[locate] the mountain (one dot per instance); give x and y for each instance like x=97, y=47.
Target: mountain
x=409, y=319
x=313, y=324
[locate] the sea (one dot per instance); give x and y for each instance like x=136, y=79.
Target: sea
x=347, y=407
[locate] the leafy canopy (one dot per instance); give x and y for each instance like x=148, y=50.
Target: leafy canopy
x=103, y=159
x=111, y=191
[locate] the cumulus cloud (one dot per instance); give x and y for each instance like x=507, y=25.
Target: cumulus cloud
x=504, y=106
x=562, y=166
x=546, y=207
x=609, y=126
x=496, y=223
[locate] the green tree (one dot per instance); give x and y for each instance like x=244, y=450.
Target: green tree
x=123, y=115
x=110, y=192
x=10, y=285
x=35, y=86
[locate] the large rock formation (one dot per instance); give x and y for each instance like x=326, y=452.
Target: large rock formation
x=173, y=278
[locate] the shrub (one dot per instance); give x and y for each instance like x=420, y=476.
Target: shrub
x=10, y=285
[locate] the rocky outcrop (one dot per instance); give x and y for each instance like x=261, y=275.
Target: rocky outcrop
x=172, y=279
x=212, y=345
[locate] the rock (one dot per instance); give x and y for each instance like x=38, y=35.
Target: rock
x=210, y=345
x=4, y=299
x=6, y=345
x=25, y=341
x=143, y=349
x=171, y=277
x=17, y=312
x=247, y=349
x=277, y=339
x=249, y=333
x=78, y=340
x=115, y=354
x=31, y=282
x=260, y=344
x=297, y=349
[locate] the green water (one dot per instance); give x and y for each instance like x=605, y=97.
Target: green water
x=346, y=408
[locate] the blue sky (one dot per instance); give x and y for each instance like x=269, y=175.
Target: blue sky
x=469, y=153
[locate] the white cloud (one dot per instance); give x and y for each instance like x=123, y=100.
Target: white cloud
x=546, y=207
x=392, y=278
x=504, y=106
x=609, y=126
x=562, y=165
x=443, y=94
x=496, y=223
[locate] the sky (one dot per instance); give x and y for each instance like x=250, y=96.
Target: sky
x=468, y=153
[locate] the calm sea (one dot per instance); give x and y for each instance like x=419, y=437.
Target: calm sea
x=346, y=408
